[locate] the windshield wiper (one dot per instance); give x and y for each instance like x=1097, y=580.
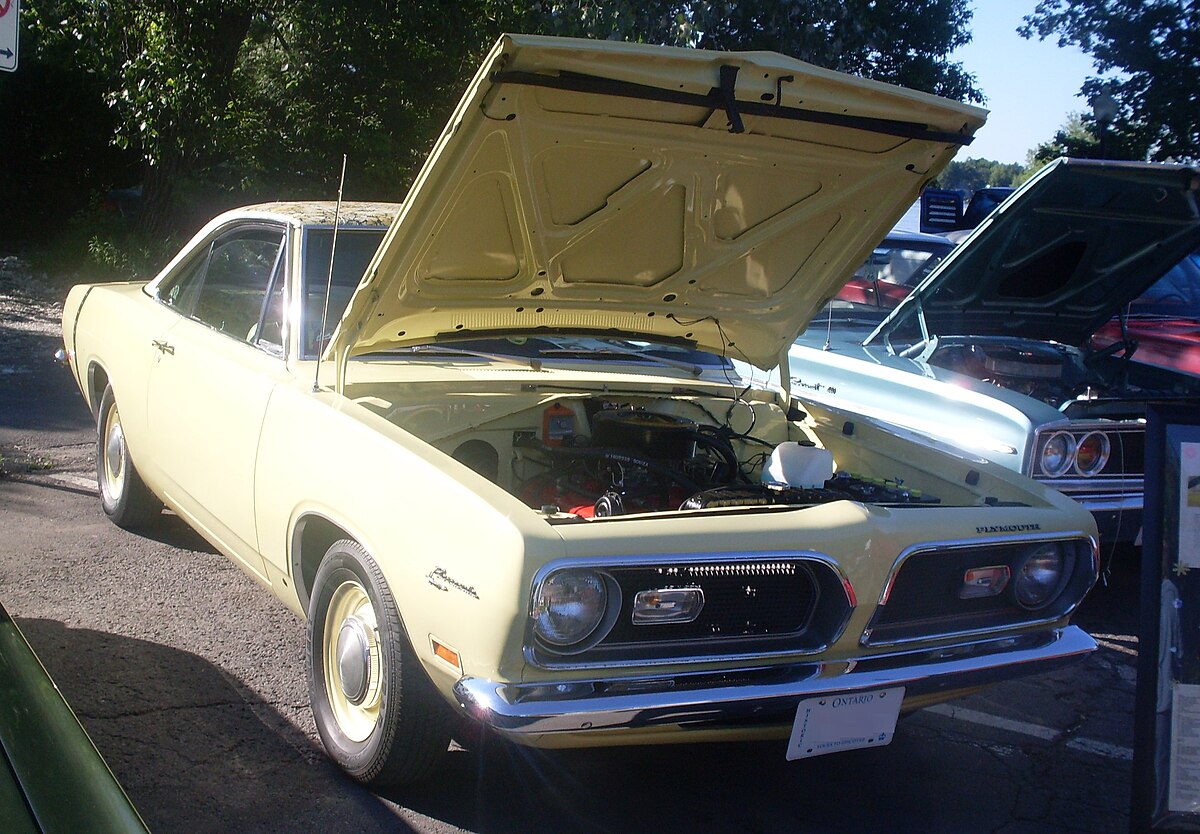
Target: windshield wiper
x=609, y=352
x=440, y=350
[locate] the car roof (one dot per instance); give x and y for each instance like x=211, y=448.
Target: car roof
x=905, y=236
x=322, y=212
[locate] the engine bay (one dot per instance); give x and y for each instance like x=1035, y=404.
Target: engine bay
x=576, y=457
x=641, y=461
x=1059, y=375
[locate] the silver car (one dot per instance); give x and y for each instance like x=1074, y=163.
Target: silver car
x=989, y=352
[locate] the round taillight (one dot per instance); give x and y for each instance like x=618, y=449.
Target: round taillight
x=1092, y=453
x=1058, y=453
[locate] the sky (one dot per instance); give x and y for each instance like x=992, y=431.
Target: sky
x=1030, y=85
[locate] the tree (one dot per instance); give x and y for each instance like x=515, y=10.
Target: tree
x=228, y=101
x=167, y=66
x=969, y=175
x=1151, y=50
x=1075, y=138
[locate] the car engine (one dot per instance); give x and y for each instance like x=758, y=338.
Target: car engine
x=637, y=461
x=1058, y=375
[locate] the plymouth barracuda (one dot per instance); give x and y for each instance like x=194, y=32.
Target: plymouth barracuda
x=490, y=444
x=990, y=352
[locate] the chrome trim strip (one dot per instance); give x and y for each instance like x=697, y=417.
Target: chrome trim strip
x=654, y=560
x=1083, y=426
x=931, y=671
x=1109, y=503
x=1078, y=535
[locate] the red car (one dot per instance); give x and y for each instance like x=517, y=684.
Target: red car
x=897, y=265
x=1162, y=325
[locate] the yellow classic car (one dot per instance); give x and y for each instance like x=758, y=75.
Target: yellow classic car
x=490, y=442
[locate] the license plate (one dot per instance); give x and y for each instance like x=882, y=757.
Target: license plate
x=832, y=723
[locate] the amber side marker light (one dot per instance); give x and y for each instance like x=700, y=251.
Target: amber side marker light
x=446, y=653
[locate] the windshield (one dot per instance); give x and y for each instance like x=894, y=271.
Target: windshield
x=892, y=271
x=355, y=248
x=1175, y=295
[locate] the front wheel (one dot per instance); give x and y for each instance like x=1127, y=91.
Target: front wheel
x=376, y=710
x=126, y=499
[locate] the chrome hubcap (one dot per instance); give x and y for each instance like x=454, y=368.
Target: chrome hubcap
x=115, y=457
x=354, y=660
x=353, y=663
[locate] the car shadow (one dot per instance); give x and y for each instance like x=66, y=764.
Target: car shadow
x=193, y=747
x=172, y=530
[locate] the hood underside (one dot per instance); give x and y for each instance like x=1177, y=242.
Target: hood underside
x=1063, y=255
x=653, y=192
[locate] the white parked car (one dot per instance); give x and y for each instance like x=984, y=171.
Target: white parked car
x=991, y=351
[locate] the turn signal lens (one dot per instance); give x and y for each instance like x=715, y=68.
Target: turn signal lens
x=447, y=654
x=1058, y=452
x=1092, y=454
x=984, y=582
x=668, y=605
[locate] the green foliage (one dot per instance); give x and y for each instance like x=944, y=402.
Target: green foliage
x=1151, y=50
x=98, y=244
x=225, y=102
x=969, y=175
x=1077, y=137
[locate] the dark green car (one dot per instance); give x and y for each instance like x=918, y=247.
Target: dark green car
x=52, y=778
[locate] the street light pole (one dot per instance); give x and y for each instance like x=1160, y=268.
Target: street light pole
x=1104, y=110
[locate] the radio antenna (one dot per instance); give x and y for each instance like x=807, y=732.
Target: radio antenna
x=337, y=219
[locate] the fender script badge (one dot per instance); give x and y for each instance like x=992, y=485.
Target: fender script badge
x=441, y=580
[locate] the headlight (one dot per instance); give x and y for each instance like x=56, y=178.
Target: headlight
x=569, y=605
x=1039, y=577
x=1092, y=453
x=1058, y=452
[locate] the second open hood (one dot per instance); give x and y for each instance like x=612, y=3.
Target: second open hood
x=1061, y=256
x=658, y=193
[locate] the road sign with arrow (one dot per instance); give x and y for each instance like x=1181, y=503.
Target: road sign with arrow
x=9, y=12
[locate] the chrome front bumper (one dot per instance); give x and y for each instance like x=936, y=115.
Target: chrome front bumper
x=758, y=697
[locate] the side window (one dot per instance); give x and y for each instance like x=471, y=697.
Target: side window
x=235, y=284
x=227, y=287
x=182, y=290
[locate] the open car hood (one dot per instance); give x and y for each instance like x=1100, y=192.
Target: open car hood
x=651, y=192
x=1062, y=255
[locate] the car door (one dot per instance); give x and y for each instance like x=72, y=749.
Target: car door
x=213, y=377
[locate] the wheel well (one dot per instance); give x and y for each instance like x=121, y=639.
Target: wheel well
x=313, y=536
x=97, y=382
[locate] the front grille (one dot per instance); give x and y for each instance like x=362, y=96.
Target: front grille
x=740, y=599
x=752, y=606
x=923, y=600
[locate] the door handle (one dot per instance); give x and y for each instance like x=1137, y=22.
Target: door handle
x=163, y=347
